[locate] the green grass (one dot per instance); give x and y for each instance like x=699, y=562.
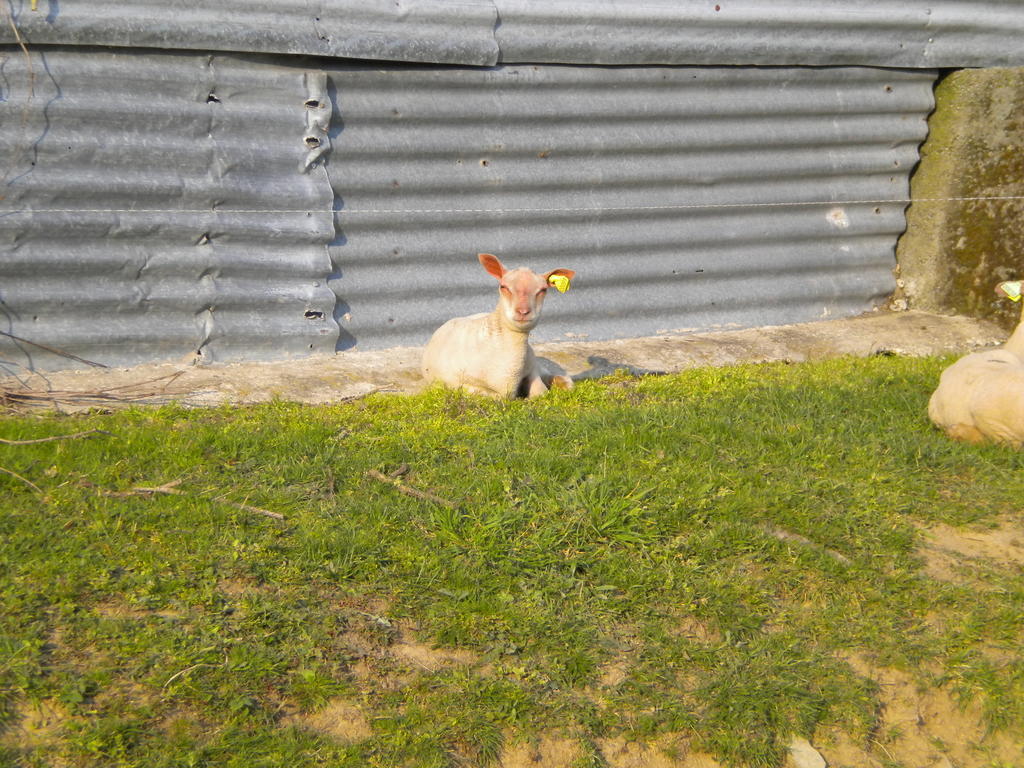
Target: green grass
x=629, y=525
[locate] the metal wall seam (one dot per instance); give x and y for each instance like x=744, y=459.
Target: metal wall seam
x=155, y=210
x=686, y=198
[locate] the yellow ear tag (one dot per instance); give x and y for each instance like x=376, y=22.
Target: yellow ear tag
x=561, y=282
x=1012, y=290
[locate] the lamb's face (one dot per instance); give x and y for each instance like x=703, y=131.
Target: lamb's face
x=522, y=296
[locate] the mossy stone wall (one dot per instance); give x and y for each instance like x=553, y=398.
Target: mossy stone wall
x=955, y=251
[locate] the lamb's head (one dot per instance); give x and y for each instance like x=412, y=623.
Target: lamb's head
x=520, y=292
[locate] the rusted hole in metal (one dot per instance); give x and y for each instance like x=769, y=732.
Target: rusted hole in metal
x=312, y=314
x=212, y=99
x=313, y=104
x=312, y=142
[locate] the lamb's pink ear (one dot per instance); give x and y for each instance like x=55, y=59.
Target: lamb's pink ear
x=569, y=273
x=491, y=264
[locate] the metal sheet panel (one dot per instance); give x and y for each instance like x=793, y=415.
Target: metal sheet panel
x=685, y=198
x=158, y=206
x=430, y=31
x=911, y=33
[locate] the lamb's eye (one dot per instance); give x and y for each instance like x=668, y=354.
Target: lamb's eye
x=504, y=289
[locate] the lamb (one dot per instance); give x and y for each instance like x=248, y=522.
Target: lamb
x=981, y=396
x=489, y=353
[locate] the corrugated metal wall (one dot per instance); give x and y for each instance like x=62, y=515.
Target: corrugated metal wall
x=154, y=208
x=159, y=205
x=680, y=195
x=911, y=33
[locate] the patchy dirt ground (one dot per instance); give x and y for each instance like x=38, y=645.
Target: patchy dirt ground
x=355, y=373
x=920, y=726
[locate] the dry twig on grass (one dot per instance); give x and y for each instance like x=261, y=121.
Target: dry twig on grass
x=141, y=490
x=250, y=508
x=171, y=488
x=408, y=490
x=783, y=535
x=185, y=671
x=27, y=482
x=367, y=393
x=55, y=437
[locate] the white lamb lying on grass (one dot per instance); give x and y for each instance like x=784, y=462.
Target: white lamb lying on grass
x=981, y=396
x=489, y=353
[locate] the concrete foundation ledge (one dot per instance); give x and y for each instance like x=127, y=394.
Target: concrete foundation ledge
x=355, y=373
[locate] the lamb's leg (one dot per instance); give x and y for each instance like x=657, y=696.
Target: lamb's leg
x=535, y=386
x=560, y=382
x=475, y=390
x=966, y=433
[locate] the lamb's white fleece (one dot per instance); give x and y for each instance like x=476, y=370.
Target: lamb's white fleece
x=981, y=396
x=489, y=353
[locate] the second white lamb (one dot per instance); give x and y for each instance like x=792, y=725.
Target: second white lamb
x=980, y=397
